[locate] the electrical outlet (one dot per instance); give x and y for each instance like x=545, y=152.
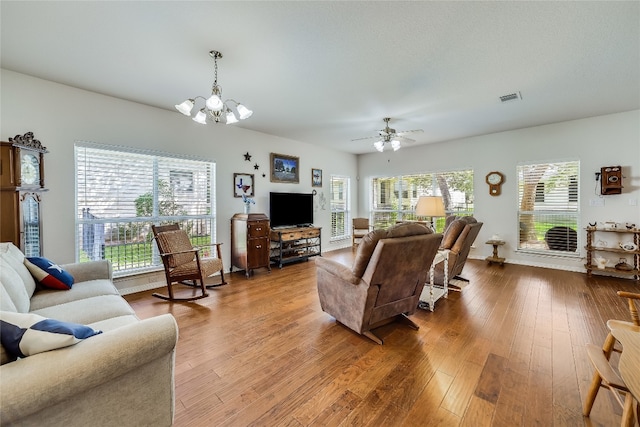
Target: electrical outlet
x=596, y=202
x=633, y=202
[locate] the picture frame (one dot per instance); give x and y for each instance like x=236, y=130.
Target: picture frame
x=285, y=168
x=243, y=184
x=316, y=177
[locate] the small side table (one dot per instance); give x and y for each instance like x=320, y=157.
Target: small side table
x=495, y=258
x=430, y=294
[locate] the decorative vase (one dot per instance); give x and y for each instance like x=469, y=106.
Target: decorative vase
x=247, y=208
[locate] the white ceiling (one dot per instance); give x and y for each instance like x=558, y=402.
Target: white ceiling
x=328, y=72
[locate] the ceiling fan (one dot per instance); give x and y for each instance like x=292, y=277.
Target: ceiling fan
x=391, y=136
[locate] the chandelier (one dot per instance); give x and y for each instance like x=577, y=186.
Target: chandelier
x=214, y=107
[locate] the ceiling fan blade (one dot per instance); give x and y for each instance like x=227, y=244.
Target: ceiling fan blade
x=405, y=140
x=409, y=131
x=366, y=137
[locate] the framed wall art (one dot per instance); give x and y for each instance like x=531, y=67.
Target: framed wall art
x=316, y=177
x=285, y=168
x=243, y=185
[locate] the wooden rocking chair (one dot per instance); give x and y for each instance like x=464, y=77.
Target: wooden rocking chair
x=182, y=262
x=604, y=375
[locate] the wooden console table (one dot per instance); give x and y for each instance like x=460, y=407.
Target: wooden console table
x=295, y=244
x=494, y=257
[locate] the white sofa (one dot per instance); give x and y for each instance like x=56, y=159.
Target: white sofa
x=121, y=377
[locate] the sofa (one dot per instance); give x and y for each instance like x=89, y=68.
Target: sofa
x=385, y=281
x=122, y=376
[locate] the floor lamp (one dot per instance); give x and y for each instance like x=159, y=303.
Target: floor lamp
x=431, y=206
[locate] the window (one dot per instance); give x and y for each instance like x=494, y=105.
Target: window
x=340, y=202
x=120, y=193
x=548, y=207
x=394, y=198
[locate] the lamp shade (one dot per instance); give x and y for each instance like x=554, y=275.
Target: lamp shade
x=185, y=107
x=244, y=112
x=214, y=103
x=379, y=145
x=231, y=118
x=201, y=117
x=432, y=206
x=395, y=144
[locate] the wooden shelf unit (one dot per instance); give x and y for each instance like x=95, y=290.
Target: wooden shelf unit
x=591, y=250
x=295, y=244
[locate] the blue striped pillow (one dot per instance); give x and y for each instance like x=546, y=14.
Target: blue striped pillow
x=26, y=334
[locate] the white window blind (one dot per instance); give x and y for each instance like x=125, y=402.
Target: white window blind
x=120, y=193
x=548, y=207
x=340, y=202
x=395, y=198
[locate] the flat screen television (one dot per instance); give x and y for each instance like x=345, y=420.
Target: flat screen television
x=290, y=209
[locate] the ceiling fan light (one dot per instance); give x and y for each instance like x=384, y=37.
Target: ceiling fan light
x=379, y=145
x=243, y=112
x=231, y=118
x=186, y=107
x=201, y=117
x=214, y=103
x=395, y=144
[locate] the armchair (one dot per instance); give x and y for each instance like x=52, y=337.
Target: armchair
x=385, y=282
x=183, y=262
x=458, y=238
x=360, y=227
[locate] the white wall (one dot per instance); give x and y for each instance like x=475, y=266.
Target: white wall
x=599, y=141
x=59, y=115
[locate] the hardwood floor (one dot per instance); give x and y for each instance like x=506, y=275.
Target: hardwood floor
x=506, y=351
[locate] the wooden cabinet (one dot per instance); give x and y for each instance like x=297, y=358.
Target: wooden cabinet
x=250, y=242
x=295, y=244
x=596, y=249
x=21, y=188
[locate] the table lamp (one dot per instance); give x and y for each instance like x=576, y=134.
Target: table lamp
x=431, y=206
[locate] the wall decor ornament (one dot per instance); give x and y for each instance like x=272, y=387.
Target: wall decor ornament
x=316, y=177
x=243, y=185
x=285, y=168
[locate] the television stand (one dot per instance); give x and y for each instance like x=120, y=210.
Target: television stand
x=294, y=244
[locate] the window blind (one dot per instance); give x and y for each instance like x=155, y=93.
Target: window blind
x=120, y=193
x=340, y=203
x=548, y=206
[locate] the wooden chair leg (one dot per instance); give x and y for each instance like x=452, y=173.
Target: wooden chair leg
x=627, y=412
x=596, y=383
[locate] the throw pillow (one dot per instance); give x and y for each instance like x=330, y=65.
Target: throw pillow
x=26, y=334
x=49, y=274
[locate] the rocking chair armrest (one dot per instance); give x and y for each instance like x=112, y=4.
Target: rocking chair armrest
x=217, y=245
x=179, y=252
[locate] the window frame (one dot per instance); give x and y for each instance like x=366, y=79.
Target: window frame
x=133, y=251
x=346, y=211
x=548, y=206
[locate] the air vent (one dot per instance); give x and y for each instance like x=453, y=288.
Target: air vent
x=511, y=97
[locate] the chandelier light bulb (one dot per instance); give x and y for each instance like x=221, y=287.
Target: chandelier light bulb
x=231, y=118
x=244, y=112
x=186, y=107
x=379, y=145
x=201, y=117
x=395, y=144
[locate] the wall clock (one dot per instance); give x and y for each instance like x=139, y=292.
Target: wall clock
x=495, y=180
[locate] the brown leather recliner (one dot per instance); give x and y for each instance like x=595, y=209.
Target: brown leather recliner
x=385, y=282
x=460, y=234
